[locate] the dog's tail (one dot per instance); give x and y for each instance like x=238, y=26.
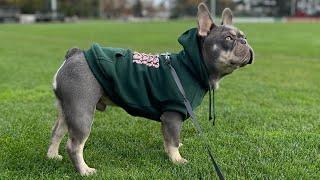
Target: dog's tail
x=72, y=52
x=69, y=54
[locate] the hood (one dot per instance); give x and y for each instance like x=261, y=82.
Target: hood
x=192, y=56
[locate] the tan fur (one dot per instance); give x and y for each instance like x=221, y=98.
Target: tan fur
x=174, y=155
x=204, y=20
x=77, y=149
x=224, y=65
x=60, y=130
x=233, y=32
x=54, y=84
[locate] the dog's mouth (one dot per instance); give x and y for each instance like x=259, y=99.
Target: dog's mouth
x=251, y=57
x=248, y=59
x=242, y=57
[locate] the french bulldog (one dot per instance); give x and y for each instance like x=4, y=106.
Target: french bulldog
x=223, y=48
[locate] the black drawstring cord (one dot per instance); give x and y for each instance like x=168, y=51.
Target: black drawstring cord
x=210, y=110
x=212, y=106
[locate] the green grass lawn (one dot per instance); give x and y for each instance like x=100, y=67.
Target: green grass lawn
x=268, y=114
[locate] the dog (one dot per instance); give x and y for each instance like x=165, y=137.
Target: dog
x=217, y=50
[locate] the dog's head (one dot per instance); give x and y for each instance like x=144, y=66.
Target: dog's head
x=224, y=47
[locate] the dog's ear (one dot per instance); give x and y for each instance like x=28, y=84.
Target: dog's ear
x=227, y=17
x=205, y=21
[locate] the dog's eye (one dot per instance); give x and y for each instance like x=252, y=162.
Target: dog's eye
x=228, y=38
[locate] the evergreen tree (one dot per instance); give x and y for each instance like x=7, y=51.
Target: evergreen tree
x=137, y=9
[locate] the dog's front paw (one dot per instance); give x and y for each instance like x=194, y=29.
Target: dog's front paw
x=179, y=161
x=54, y=156
x=87, y=171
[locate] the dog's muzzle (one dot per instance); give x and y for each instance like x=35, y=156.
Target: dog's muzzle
x=251, y=57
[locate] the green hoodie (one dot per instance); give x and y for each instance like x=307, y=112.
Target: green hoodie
x=143, y=85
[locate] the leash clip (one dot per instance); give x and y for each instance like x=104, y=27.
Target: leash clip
x=167, y=58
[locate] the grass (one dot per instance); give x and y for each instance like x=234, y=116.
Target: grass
x=268, y=114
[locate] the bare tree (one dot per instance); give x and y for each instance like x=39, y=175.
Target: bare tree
x=184, y=8
x=114, y=8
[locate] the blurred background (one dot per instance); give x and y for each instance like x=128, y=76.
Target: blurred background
x=31, y=11
x=268, y=121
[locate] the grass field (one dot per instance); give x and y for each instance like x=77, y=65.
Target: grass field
x=268, y=114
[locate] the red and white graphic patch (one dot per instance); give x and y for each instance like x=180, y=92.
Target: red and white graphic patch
x=146, y=59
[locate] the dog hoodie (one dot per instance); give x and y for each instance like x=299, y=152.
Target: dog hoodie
x=142, y=84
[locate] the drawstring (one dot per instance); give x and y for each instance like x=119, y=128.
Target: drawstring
x=212, y=114
x=213, y=107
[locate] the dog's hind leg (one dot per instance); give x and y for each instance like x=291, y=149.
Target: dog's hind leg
x=60, y=127
x=171, y=123
x=79, y=114
x=80, y=121
x=59, y=130
x=79, y=92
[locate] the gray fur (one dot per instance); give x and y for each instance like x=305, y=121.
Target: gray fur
x=215, y=48
x=78, y=93
x=171, y=123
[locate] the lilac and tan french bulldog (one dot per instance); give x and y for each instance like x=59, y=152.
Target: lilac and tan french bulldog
x=224, y=49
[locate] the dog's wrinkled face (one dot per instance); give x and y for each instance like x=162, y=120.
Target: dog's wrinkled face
x=224, y=47
x=227, y=49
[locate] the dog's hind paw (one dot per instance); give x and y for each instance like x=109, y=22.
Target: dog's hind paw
x=88, y=171
x=180, y=161
x=54, y=157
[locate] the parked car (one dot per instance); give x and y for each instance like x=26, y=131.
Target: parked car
x=48, y=17
x=9, y=14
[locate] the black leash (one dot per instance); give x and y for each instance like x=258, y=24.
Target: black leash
x=193, y=117
x=212, y=106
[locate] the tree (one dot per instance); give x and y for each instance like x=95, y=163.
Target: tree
x=284, y=8
x=114, y=8
x=184, y=8
x=30, y=6
x=137, y=9
x=84, y=8
x=189, y=7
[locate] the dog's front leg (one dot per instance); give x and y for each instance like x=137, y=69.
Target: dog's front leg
x=171, y=123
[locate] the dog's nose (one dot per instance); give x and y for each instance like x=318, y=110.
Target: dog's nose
x=243, y=41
